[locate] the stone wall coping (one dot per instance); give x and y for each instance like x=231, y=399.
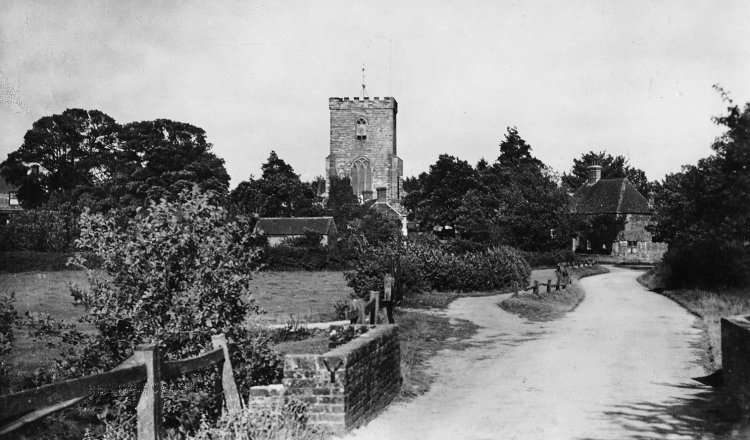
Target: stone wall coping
x=739, y=320
x=344, y=352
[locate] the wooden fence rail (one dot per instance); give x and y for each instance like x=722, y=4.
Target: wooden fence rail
x=145, y=365
x=563, y=279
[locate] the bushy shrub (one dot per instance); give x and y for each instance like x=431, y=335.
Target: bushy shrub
x=426, y=265
x=40, y=231
x=176, y=274
x=707, y=264
x=305, y=252
x=549, y=258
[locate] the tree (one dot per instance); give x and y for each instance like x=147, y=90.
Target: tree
x=73, y=149
x=278, y=193
x=703, y=212
x=612, y=168
x=161, y=158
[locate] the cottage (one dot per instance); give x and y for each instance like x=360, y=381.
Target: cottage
x=619, y=200
x=279, y=228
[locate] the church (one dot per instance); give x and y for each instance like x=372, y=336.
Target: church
x=363, y=148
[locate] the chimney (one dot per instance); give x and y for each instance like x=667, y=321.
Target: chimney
x=381, y=194
x=366, y=195
x=651, y=196
x=595, y=174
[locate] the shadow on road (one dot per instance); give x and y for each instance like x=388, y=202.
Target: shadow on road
x=706, y=415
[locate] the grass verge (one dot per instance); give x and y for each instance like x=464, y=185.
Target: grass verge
x=554, y=305
x=708, y=305
x=421, y=335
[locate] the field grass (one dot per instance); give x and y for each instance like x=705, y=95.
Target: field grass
x=554, y=305
x=298, y=296
x=709, y=305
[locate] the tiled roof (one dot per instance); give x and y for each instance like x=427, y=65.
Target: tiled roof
x=296, y=225
x=611, y=196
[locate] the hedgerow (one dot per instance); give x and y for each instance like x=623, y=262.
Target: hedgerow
x=426, y=265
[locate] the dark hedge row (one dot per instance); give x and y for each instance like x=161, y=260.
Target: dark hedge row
x=426, y=265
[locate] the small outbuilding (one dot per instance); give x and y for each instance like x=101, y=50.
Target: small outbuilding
x=277, y=229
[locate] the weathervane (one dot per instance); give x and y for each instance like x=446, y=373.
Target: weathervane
x=364, y=90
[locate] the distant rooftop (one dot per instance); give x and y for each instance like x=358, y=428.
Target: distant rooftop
x=610, y=196
x=296, y=225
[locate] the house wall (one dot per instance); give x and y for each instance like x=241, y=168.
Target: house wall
x=275, y=240
x=366, y=378
x=379, y=148
x=646, y=251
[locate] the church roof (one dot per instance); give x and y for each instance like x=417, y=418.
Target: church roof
x=610, y=196
x=295, y=225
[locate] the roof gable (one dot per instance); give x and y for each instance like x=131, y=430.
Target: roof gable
x=610, y=196
x=296, y=225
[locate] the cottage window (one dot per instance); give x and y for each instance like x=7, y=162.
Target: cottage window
x=633, y=247
x=13, y=199
x=361, y=129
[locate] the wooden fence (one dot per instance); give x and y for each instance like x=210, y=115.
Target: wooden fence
x=145, y=365
x=563, y=278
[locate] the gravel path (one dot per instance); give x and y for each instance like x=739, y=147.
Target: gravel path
x=617, y=367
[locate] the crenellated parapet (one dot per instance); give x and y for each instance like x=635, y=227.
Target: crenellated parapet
x=386, y=103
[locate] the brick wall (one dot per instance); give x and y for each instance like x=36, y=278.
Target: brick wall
x=735, y=349
x=346, y=387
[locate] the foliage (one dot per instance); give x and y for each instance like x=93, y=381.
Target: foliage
x=8, y=323
x=290, y=421
x=600, y=231
x=278, y=193
x=74, y=148
x=549, y=259
x=39, y=231
x=612, y=168
x=176, y=274
x=426, y=265
x=86, y=159
x=515, y=201
x=341, y=334
x=705, y=209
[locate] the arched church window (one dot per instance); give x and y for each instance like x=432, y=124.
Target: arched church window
x=361, y=176
x=361, y=129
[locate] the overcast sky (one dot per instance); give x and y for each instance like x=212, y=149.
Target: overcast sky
x=630, y=77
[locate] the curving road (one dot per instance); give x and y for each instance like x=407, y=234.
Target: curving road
x=617, y=367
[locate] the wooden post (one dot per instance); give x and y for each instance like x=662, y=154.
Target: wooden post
x=388, y=282
x=225, y=378
x=557, y=287
x=515, y=288
x=549, y=286
x=536, y=287
x=149, y=405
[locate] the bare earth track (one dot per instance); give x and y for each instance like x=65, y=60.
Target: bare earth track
x=617, y=367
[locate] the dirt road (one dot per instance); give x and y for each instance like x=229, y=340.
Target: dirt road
x=617, y=367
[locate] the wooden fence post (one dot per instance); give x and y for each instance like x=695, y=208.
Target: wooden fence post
x=549, y=286
x=225, y=383
x=557, y=287
x=536, y=287
x=515, y=287
x=149, y=405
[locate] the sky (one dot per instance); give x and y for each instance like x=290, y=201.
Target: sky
x=631, y=78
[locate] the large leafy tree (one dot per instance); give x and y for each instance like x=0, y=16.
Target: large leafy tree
x=278, y=193
x=73, y=149
x=613, y=167
x=87, y=159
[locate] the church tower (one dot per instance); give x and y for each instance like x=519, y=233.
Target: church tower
x=363, y=147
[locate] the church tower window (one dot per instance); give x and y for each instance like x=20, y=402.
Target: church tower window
x=361, y=129
x=361, y=176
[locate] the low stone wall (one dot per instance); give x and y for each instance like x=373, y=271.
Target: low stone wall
x=735, y=349
x=346, y=387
